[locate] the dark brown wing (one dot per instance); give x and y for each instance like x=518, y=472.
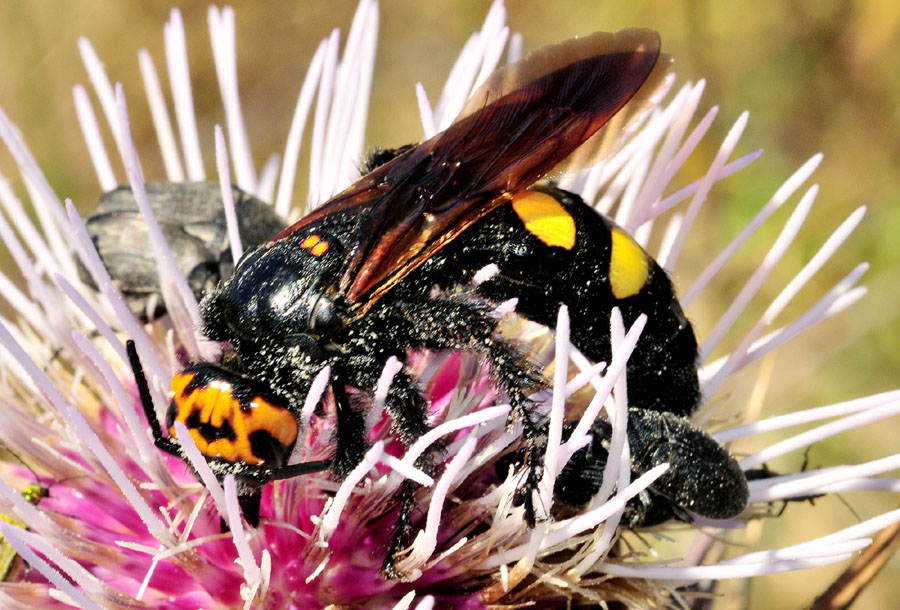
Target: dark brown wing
x=526, y=119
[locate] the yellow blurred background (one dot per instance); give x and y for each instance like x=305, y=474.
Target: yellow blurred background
x=815, y=75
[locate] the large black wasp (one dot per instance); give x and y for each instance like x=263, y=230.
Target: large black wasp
x=386, y=267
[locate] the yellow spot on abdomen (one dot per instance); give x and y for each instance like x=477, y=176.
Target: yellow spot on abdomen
x=545, y=218
x=628, y=265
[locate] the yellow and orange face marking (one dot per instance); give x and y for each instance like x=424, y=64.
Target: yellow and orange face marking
x=214, y=405
x=545, y=218
x=629, y=267
x=315, y=244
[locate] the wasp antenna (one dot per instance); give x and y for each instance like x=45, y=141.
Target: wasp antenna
x=20, y=460
x=144, y=391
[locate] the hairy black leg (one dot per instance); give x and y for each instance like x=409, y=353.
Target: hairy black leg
x=249, y=508
x=351, y=428
x=461, y=322
x=400, y=539
x=404, y=402
x=407, y=409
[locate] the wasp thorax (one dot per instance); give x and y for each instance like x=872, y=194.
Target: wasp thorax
x=279, y=289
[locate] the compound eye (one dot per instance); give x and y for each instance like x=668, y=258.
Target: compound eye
x=323, y=320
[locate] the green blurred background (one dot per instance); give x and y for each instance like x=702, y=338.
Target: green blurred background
x=816, y=76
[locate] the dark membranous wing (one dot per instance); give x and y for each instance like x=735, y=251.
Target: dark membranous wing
x=524, y=121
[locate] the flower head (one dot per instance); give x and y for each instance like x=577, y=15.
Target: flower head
x=125, y=525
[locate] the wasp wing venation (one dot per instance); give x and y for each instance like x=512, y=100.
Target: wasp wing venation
x=526, y=119
x=620, y=127
x=546, y=60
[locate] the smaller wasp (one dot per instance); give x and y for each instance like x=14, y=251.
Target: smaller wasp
x=192, y=218
x=12, y=566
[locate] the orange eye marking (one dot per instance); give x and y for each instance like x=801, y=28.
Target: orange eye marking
x=319, y=249
x=214, y=406
x=310, y=241
x=315, y=244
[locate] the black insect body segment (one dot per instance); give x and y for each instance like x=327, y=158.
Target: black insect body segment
x=703, y=478
x=287, y=311
x=553, y=249
x=192, y=218
x=353, y=283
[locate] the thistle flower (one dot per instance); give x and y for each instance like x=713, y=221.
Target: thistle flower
x=125, y=526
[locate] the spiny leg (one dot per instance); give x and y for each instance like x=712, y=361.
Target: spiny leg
x=462, y=322
x=351, y=428
x=407, y=409
x=402, y=530
x=455, y=322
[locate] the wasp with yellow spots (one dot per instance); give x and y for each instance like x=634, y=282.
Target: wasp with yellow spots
x=387, y=267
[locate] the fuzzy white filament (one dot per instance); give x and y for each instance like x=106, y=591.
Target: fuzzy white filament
x=180, y=300
x=285, y=191
x=162, y=124
x=22, y=542
x=231, y=221
x=222, y=37
x=245, y=555
x=333, y=513
x=473, y=419
x=569, y=528
x=313, y=396
x=204, y=472
x=426, y=540
x=90, y=131
x=183, y=97
x=391, y=368
x=553, y=465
